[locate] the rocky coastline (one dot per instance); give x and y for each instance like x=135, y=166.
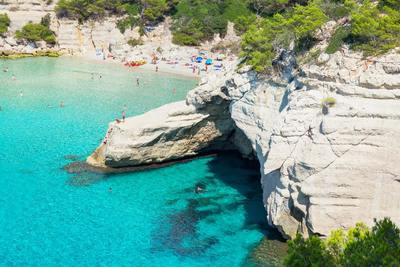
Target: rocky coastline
x=324, y=133
x=322, y=165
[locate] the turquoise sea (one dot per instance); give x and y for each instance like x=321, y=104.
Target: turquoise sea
x=49, y=217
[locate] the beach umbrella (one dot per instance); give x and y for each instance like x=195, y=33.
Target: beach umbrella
x=199, y=59
x=209, y=61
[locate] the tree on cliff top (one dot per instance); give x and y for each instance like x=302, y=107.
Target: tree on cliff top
x=378, y=247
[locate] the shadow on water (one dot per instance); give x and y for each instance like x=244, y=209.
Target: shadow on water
x=273, y=247
x=248, y=185
x=181, y=233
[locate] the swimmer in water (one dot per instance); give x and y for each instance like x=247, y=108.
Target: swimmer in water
x=21, y=94
x=62, y=104
x=137, y=81
x=198, y=189
x=13, y=77
x=110, y=189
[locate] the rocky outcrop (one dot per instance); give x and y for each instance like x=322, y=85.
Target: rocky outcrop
x=323, y=166
x=183, y=129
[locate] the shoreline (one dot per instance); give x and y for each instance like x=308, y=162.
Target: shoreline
x=175, y=70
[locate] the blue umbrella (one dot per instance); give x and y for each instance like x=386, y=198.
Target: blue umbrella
x=199, y=59
x=209, y=61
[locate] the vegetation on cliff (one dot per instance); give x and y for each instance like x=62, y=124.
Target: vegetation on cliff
x=373, y=28
x=197, y=21
x=266, y=26
x=34, y=32
x=359, y=246
x=4, y=23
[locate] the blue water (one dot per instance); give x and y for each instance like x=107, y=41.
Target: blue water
x=49, y=217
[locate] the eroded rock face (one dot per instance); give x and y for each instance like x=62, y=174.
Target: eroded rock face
x=323, y=171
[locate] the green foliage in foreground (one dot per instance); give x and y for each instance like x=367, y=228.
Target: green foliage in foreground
x=4, y=23
x=360, y=246
x=34, y=32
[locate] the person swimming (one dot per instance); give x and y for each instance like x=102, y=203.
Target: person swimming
x=137, y=81
x=13, y=77
x=199, y=189
x=21, y=94
x=62, y=104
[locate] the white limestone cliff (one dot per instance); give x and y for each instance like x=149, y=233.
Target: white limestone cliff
x=322, y=167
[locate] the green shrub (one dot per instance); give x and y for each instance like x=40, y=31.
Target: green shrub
x=145, y=10
x=375, y=29
x=34, y=32
x=81, y=9
x=341, y=34
x=135, y=42
x=359, y=246
x=329, y=101
x=334, y=9
x=197, y=21
x=269, y=7
x=4, y=24
x=46, y=20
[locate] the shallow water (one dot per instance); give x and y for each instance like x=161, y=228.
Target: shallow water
x=49, y=217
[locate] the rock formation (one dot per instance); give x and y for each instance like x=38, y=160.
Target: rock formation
x=323, y=165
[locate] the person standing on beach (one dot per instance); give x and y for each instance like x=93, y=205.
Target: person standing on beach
x=123, y=115
x=157, y=68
